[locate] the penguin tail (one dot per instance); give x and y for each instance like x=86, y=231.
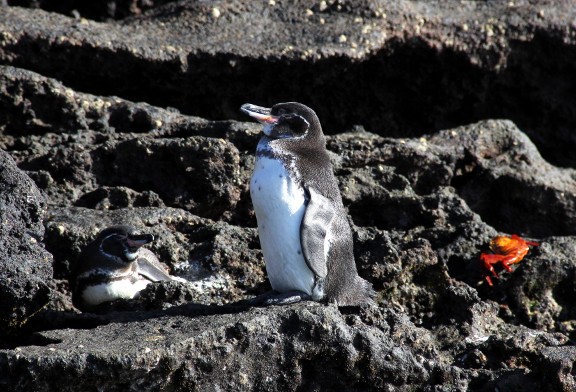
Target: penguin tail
x=365, y=291
x=358, y=293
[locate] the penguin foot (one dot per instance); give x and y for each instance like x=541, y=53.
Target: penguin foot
x=275, y=298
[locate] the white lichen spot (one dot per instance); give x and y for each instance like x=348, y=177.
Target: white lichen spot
x=6, y=38
x=215, y=13
x=489, y=30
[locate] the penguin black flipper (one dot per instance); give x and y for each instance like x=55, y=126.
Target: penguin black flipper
x=314, y=229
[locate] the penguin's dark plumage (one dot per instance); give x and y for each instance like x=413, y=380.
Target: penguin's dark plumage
x=304, y=232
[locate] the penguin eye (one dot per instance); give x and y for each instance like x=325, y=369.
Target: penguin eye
x=282, y=111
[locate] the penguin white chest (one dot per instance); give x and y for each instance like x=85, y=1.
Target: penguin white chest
x=280, y=203
x=111, y=291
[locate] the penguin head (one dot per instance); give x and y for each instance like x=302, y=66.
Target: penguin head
x=288, y=120
x=122, y=243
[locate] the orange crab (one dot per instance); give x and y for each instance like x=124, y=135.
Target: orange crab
x=506, y=250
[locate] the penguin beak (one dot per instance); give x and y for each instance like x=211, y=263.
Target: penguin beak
x=136, y=241
x=259, y=113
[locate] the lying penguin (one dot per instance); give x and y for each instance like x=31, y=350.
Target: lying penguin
x=302, y=224
x=115, y=266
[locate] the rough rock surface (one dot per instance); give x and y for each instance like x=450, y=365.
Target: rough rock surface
x=400, y=68
x=400, y=87
x=25, y=267
x=94, y=9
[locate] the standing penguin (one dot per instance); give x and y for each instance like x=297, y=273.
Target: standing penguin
x=115, y=266
x=304, y=232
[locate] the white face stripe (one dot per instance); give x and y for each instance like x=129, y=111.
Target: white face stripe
x=108, y=255
x=307, y=123
x=131, y=255
x=269, y=127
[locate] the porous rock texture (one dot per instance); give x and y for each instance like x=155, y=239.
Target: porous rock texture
x=449, y=123
x=25, y=267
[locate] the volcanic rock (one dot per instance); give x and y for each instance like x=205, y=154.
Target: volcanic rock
x=25, y=266
x=448, y=123
x=400, y=68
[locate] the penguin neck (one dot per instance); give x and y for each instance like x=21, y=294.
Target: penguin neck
x=307, y=163
x=293, y=148
x=276, y=150
x=119, y=263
